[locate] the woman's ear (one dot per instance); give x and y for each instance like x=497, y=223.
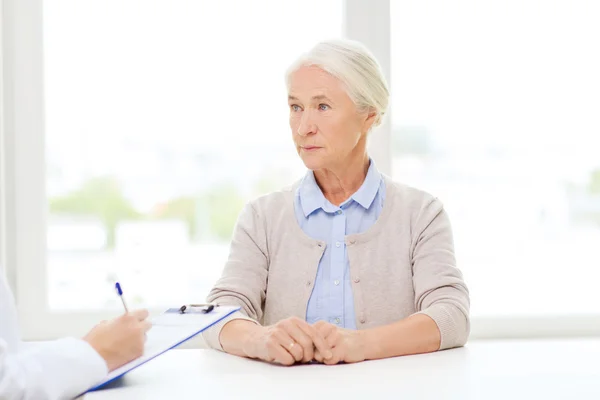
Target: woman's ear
x=371, y=120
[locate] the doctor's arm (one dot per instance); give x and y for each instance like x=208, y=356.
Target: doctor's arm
x=65, y=368
x=60, y=369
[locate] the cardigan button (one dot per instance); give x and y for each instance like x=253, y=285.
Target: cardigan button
x=362, y=320
x=356, y=280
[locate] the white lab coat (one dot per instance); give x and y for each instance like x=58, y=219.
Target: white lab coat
x=60, y=369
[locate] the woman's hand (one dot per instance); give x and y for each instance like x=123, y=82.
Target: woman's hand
x=347, y=345
x=287, y=342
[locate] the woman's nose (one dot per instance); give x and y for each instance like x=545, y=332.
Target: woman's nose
x=306, y=126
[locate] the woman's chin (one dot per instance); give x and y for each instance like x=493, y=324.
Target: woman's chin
x=312, y=161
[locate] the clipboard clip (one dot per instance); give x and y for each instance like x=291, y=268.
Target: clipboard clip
x=204, y=307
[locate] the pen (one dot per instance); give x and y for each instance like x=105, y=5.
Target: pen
x=120, y=293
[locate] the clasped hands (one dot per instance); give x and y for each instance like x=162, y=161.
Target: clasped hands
x=293, y=340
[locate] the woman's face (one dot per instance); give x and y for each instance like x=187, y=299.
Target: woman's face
x=326, y=127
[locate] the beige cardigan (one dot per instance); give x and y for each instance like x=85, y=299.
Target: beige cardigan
x=404, y=264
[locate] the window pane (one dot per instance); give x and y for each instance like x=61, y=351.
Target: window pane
x=162, y=119
x=495, y=110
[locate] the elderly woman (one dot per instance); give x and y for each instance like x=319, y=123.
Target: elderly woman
x=346, y=265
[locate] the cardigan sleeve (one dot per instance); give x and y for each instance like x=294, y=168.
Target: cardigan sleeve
x=440, y=291
x=243, y=282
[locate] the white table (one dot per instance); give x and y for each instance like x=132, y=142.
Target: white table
x=535, y=369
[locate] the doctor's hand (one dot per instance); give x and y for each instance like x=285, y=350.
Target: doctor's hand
x=120, y=340
x=347, y=345
x=288, y=341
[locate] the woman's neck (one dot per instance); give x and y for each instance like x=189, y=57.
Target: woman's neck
x=338, y=184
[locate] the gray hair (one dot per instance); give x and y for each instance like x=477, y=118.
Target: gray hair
x=354, y=65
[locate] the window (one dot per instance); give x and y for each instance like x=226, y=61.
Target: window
x=495, y=112
x=162, y=120
x=173, y=114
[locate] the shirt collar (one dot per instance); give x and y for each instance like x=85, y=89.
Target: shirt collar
x=368, y=190
x=312, y=198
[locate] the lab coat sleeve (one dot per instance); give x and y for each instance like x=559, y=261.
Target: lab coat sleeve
x=60, y=369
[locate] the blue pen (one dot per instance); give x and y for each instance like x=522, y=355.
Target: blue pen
x=120, y=293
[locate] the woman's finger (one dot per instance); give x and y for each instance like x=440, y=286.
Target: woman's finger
x=302, y=339
x=289, y=345
x=317, y=337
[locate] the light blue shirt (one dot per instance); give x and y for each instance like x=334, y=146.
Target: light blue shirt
x=332, y=299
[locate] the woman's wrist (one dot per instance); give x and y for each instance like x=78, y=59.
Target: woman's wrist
x=370, y=343
x=238, y=337
x=250, y=340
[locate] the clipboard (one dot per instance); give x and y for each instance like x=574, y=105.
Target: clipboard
x=168, y=331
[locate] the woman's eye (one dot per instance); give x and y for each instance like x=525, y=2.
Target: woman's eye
x=323, y=107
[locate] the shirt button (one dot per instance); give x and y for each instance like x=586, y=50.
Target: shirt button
x=337, y=321
x=337, y=244
x=336, y=282
x=338, y=212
